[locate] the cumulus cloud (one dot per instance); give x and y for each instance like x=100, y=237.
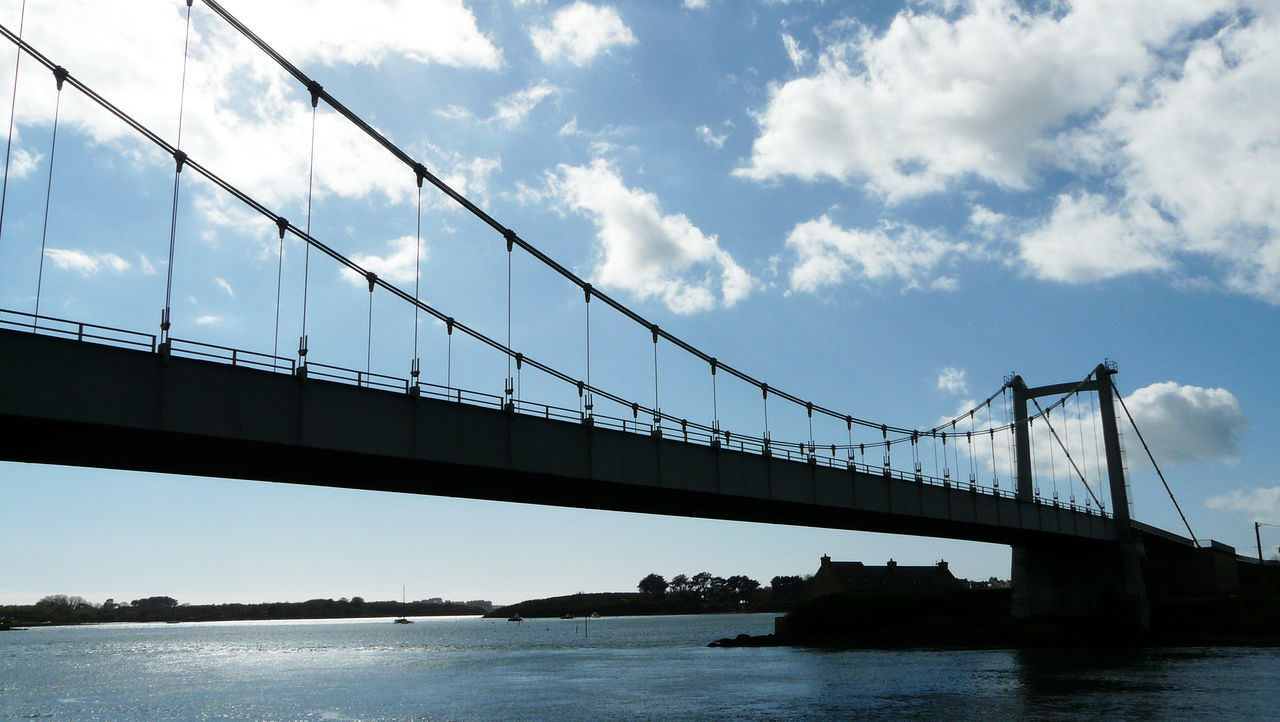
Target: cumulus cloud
x=1262, y=504
x=952, y=380
x=511, y=110
x=240, y=109
x=1187, y=423
x=934, y=98
x=84, y=263
x=579, y=33
x=706, y=135
x=398, y=265
x=1085, y=239
x=222, y=283
x=827, y=254
x=442, y=32
x=1169, y=106
x=645, y=251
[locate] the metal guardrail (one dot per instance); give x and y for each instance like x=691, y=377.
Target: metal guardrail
x=232, y=356
x=666, y=427
x=77, y=330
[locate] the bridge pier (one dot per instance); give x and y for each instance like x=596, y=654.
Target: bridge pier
x=1101, y=583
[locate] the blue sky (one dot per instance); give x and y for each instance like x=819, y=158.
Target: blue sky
x=885, y=208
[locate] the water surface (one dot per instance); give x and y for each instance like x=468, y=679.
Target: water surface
x=629, y=667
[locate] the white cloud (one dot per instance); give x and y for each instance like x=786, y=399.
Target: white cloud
x=1202, y=144
x=336, y=31
x=148, y=268
x=696, y=4
x=795, y=53
x=208, y=320
x=222, y=283
x=1169, y=106
x=511, y=110
x=827, y=254
x=579, y=33
x=1262, y=504
x=84, y=263
x=646, y=252
x=707, y=136
x=1085, y=240
x=932, y=99
x=22, y=163
x=238, y=104
x=399, y=265
x=1186, y=423
x=952, y=380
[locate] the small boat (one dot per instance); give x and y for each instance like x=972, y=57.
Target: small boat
x=566, y=615
x=595, y=615
x=515, y=618
x=402, y=620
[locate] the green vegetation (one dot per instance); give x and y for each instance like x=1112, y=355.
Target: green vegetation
x=64, y=609
x=701, y=593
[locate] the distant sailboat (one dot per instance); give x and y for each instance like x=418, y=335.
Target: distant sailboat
x=403, y=620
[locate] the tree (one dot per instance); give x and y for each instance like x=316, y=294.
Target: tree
x=155, y=603
x=700, y=583
x=679, y=583
x=741, y=586
x=653, y=585
x=787, y=587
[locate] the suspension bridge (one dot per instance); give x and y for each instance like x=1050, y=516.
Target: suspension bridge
x=1047, y=479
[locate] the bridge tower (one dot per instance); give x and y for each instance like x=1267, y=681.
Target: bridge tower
x=1093, y=581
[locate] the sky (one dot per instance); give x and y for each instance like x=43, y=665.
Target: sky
x=886, y=208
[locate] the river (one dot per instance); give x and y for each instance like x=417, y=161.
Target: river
x=612, y=668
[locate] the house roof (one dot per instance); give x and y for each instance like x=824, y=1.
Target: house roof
x=854, y=575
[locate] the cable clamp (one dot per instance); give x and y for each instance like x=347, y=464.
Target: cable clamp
x=60, y=75
x=315, y=89
x=180, y=158
x=510, y=235
x=372, y=278
x=283, y=224
x=420, y=171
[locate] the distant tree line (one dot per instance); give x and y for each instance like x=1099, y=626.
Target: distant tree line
x=739, y=588
x=66, y=609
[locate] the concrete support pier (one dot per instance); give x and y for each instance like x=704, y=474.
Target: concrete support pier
x=1102, y=582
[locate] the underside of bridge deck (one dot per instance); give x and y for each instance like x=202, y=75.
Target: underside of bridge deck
x=74, y=403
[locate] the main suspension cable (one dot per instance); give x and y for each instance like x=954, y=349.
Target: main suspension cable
x=1153, y=460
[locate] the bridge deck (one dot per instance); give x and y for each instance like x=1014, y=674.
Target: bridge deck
x=87, y=404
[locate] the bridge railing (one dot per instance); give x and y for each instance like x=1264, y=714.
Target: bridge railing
x=666, y=427
x=78, y=330
x=233, y=356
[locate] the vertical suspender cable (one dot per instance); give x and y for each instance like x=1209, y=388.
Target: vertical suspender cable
x=59, y=75
x=587, y=403
x=372, y=278
x=179, y=159
x=13, y=108
x=448, y=359
x=414, y=369
x=764, y=392
x=509, y=388
x=275, y=337
x=314, y=89
x=715, y=403
x=657, y=410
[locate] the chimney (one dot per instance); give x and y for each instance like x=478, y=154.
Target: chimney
x=892, y=564
x=943, y=565
x=826, y=560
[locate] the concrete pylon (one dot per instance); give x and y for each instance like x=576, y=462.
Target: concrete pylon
x=1069, y=579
